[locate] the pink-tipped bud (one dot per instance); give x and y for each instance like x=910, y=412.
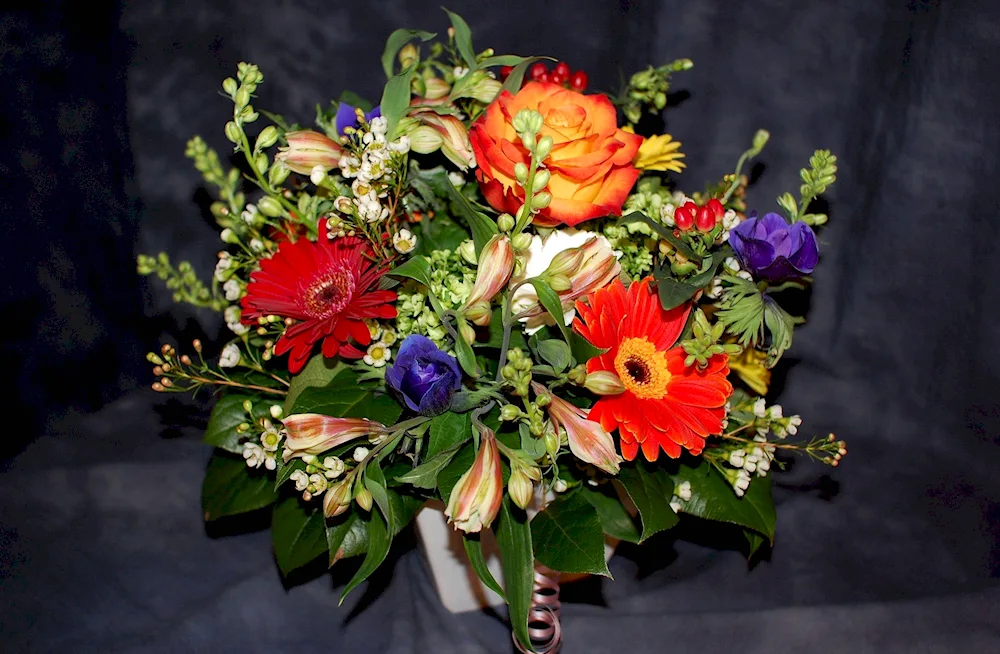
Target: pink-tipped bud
x=312, y=433
x=520, y=487
x=604, y=382
x=436, y=88
x=475, y=499
x=496, y=263
x=588, y=440
x=454, y=137
x=308, y=149
x=337, y=498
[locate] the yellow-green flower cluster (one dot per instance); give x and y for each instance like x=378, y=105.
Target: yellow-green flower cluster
x=451, y=282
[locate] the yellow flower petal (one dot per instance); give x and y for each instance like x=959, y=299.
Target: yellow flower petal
x=749, y=366
x=660, y=153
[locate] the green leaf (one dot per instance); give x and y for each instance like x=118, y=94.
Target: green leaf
x=230, y=487
x=285, y=471
x=482, y=226
x=346, y=535
x=513, y=82
x=582, y=350
x=425, y=475
x=404, y=507
x=298, y=533
x=533, y=446
x=465, y=355
x=439, y=233
x=227, y=414
x=448, y=430
x=674, y=292
x=396, y=100
x=495, y=339
x=754, y=540
x=615, y=520
x=568, y=537
x=474, y=550
x=417, y=267
x=712, y=498
x=665, y=233
x=395, y=43
x=379, y=542
x=375, y=483
x=463, y=39
x=551, y=302
x=319, y=371
x=651, y=489
x=504, y=60
x=451, y=473
x=343, y=398
x=518, y=561
x=556, y=353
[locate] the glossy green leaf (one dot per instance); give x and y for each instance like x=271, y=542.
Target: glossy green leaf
x=344, y=398
x=518, y=560
x=463, y=39
x=665, y=233
x=395, y=43
x=474, y=550
x=446, y=431
x=417, y=267
x=440, y=233
x=298, y=533
x=466, y=357
x=375, y=483
x=551, y=302
x=615, y=519
x=404, y=508
x=503, y=60
x=451, y=473
x=379, y=542
x=396, y=100
x=227, y=414
x=495, y=339
x=230, y=487
x=651, y=490
x=567, y=536
x=556, y=353
x=712, y=498
x=582, y=350
x=674, y=292
x=754, y=540
x=318, y=372
x=346, y=535
x=513, y=82
x=482, y=226
x=425, y=475
x=533, y=446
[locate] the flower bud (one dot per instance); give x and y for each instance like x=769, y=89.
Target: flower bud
x=544, y=147
x=449, y=134
x=542, y=178
x=496, y=263
x=588, y=440
x=311, y=433
x=604, y=382
x=278, y=173
x=364, y=499
x=522, y=241
x=475, y=499
x=436, y=88
x=505, y=222
x=425, y=140
x=467, y=332
x=527, y=121
x=566, y=262
x=242, y=98
x=485, y=89
x=521, y=173
x=229, y=86
x=541, y=200
x=269, y=207
x=468, y=251
x=520, y=487
x=308, y=149
x=529, y=141
x=229, y=236
x=559, y=283
x=233, y=132
x=760, y=139
x=408, y=55
x=267, y=137
x=337, y=497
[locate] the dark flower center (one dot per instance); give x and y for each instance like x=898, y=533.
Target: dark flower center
x=329, y=293
x=637, y=370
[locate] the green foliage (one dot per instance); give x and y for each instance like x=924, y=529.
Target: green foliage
x=482, y=226
x=712, y=498
x=227, y=415
x=474, y=550
x=298, y=534
x=446, y=431
x=663, y=232
x=346, y=535
x=550, y=302
x=425, y=475
x=396, y=100
x=514, y=537
x=650, y=488
x=556, y=353
x=674, y=292
x=451, y=473
x=395, y=43
x=318, y=372
x=741, y=310
x=615, y=519
x=344, y=398
x=231, y=488
x=568, y=536
x=646, y=91
x=463, y=39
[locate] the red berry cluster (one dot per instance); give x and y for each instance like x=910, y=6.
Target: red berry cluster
x=704, y=218
x=560, y=74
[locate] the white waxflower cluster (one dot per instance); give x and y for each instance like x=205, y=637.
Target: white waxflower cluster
x=729, y=220
x=232, y=318
x=682, y=494
x=315, y=479
x=230, y=356
x=251, y=215
x=383, y=337
x=264, y=451
x=223, y=266
x=370, y=170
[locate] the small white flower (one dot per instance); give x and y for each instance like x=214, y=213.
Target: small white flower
x=732, y=265
x=343, y=204
x=317, y=175
x=730, y=220
x=667, y=214
x=233, y=290
x=759, y=408
x=683, y=490
x=224, y=263
x=560, y=486
x=276, y=411
x=349, y=166
x=374, y=328
x=736, y=458
x=675, y=505
x=317, y=483
x=359, y=454
x=360, y=188
x=794, y=422
x=270, y=461
x=271, y=438
x=378, y=354
x=404, y=241
x=388, y=336
x=334, y=467
x=742, y=483
x=715, y=290
x=401, y=145
x=254, y=454
x=457, y=179
x=249, y=214
x=775, y=412
x=228, y=236
x=232, y=317
x=459, y=72
x=230, y=356
x=745, y=275
x=379, y=125
x=301, y=480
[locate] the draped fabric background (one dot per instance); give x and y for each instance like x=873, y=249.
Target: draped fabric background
x=101, y=544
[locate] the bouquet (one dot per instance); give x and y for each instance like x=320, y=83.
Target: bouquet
x=485, y=290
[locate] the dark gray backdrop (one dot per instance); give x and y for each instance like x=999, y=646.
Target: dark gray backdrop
x=896, y=551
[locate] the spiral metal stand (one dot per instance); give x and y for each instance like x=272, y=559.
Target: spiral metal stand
x=544, y=627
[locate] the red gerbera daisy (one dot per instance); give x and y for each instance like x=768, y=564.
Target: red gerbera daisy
x=665, y=404
x=326, y=286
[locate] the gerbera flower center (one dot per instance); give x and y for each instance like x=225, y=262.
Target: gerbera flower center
x=642, y=368
x=329, y=293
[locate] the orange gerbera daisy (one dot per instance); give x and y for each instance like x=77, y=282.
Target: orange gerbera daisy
x=666, y=405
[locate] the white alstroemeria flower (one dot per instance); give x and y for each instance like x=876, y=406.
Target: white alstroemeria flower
x=230, y=356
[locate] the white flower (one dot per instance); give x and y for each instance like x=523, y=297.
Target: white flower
x=275, y=411
x=560, y=486
x=317, y=483
x=401, y=145
x=369, y=208
x=379, y=125
x=459, y=72
x=388, y=336
x=343, y=204
x=254, y=454
x=228, y=236
x=736, y=458
x=224, y=263
x=742, y=483
x=745, y=275
x=675, y=505
x=715, y=290
x=775, y=411
x=301, y=480
x=759, y=408
x=732, y=265
x=378, y=354
x=271, y=438
x=349, y=165
x=793, y=425
x=249, y=214
x=404, y=241
x=683, y=490
x=457, y=179
x=317, y=174
x=730, y=220
x=374, y=328
x=334, y=467
x=232, y=318
x=359, y=454
x=233, y=290
x=360, y=188
x=270, y=461
x=256, y=245
x=537, y=259
x=667, y=214
x=230, y=356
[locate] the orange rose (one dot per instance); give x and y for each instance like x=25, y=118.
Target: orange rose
x=591, y=160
